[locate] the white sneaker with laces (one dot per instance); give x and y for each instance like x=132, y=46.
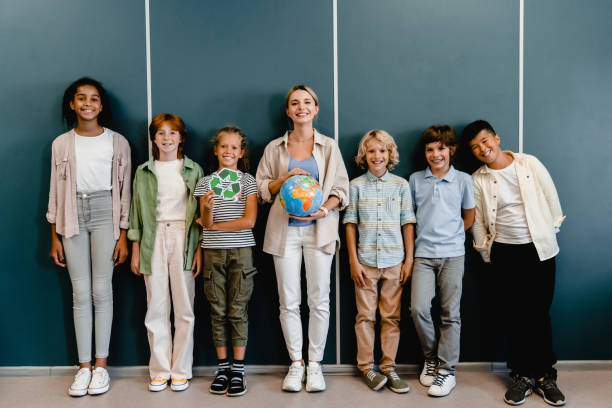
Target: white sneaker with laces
x=428, y=374
x=294, y=378
x=80, y=383
x=100, y=381
x=314, y=378
x=443, y=384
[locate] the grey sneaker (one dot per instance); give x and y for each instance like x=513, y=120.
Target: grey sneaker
x=374, y=379
x=396, y=384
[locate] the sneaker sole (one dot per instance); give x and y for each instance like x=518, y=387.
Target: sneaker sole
x=179, y=388
x=528, y=393
x=98, y=391
x=315, y=389
x=237, y=394
x=158, y=388
x=399, y=390
x=217, y=392
x=555, y=404
x=77, y=393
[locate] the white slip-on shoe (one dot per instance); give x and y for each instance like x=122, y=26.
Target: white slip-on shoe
x=294, y=378
x=80, y=383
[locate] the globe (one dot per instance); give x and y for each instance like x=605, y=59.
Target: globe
x=301, y=195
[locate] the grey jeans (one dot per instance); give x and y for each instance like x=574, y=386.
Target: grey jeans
x=447, y=274
x=89, y=258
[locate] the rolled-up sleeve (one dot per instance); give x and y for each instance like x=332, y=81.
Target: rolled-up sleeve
x=265, y=175
x=340, y=187
x=52, y=206
x=135, y=222
x=479, y=228
x=126, y=195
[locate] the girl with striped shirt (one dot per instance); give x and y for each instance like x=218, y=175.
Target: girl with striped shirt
x=228, y=205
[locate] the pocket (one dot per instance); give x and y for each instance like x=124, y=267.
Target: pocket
x=393, y=206
x=246, y=286
x=209, y=285
x=61, y=168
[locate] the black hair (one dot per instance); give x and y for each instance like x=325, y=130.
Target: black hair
x=474, y=128
x=69, y=116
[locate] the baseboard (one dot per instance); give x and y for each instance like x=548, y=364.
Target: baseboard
x=330, y=369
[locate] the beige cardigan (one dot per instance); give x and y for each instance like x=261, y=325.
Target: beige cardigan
x=332, y=177
x=542, y=207
x=62, y=209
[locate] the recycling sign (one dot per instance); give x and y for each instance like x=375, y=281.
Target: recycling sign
x=226, y=184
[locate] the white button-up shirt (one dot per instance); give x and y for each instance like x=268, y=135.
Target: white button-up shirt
x=542, y=206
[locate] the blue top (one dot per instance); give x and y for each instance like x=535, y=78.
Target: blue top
x=438, y=204
x=310, y=165
x=379, y=207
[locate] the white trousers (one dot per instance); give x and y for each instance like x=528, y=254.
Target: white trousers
x=170, y=359
x=301, y=240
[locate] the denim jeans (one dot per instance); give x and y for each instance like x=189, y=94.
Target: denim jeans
x=89, y=258
x=447, y=274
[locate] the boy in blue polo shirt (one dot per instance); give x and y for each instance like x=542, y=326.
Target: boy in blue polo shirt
x=444, y=203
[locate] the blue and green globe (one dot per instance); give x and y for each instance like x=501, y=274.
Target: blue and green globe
x=301, y=195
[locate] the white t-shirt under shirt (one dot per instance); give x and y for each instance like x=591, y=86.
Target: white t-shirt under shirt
x=94, y=162
x=227, y=210
x=171, y=191
x=510, y=222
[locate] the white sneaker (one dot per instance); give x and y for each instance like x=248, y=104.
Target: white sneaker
x=80, y=383
x=294, y=378
x=314, y=378
x=100, y=381
x=428, y=374
x=443, y=384
x=179, y=384
x=158, y=384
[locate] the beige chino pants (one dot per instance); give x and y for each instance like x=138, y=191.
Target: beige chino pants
x=383, y=291
x=170, y=359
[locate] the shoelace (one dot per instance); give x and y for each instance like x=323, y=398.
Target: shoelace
x=371, y=375
x=81, y=376
x=394, y=375
x=97, y=377
x=295, y=371
x=548, y=384
x=440, y=378
x=522, y=382
x=430, y=368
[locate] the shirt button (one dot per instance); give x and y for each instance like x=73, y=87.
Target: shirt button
x=494, y=196
x=379, y=204
x=379, y=219
x=494, y=181
x=493, y=210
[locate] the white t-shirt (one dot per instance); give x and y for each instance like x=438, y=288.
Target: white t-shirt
x=510, y=222
x=94, y=162
x=171, y=191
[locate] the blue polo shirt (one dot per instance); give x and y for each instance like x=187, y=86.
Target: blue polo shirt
x=438, y=204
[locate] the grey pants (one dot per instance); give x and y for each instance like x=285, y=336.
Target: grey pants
x=447, y=274
x=89, y=258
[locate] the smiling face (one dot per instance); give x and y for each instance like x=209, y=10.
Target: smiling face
x=301, y=107
x=167, y=141
x=438, y=157
x=377, y=157
x=228, y=150
x=86, y=103
x=486, y=147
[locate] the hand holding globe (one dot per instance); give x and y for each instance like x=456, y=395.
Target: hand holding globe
x=301, y=196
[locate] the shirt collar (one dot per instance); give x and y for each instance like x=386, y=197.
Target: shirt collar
x=372, y=177
x=450, y=175
x=484, y=169
x=318, y=138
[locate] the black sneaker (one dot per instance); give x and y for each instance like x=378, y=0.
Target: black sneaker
x=547, y=388
x=221, y=382
x=520, y=388
x=238, y=384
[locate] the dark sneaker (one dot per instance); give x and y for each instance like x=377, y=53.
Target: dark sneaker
x=547, y=388
x=237, y=384
x=396, y=384
x=520, y=388
x=374, y=379
x=221, y=382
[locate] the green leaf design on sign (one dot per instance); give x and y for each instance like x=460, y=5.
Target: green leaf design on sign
x=226, y=184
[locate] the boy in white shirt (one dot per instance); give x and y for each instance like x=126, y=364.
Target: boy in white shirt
x=517, y=217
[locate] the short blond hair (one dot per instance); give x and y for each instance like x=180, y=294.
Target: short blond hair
x=301, y=87
x=384, y=138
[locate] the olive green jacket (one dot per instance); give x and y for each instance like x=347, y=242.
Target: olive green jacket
x=143, y=210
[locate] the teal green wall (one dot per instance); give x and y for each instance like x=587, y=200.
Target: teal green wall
x=402, y=66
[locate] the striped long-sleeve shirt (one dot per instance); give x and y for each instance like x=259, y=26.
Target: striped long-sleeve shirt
x=380, y=207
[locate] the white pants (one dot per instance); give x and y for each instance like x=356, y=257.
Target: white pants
x=170, y=360
x=288, y=276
